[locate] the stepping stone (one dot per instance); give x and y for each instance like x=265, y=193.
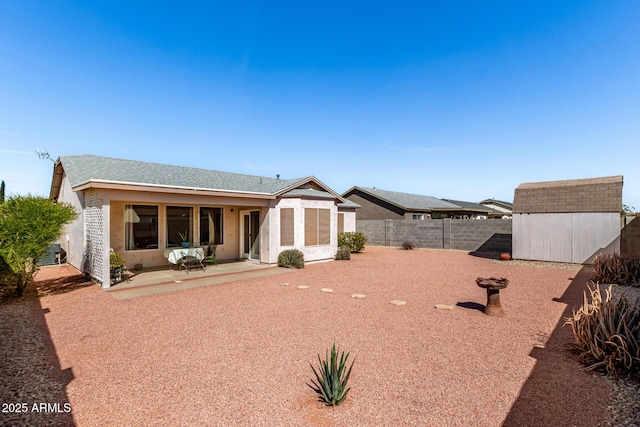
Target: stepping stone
x=327, y=290
x=357, y=296
x=397, y=302
x=303, y=287
x=444, y=307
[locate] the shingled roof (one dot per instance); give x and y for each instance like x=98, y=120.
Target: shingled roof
x=569, y=196
x=87, y=169
x=406, y=201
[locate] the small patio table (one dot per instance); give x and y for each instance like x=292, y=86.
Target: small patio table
x=185, y=257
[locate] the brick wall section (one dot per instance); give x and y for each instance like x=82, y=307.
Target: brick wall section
x=578, y=195
x=630, y=238
x=487, y=236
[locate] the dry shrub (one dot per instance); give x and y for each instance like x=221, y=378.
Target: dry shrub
x=607, y=333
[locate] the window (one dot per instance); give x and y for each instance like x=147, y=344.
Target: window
x=140, y=227
x=418, y=216
x=286, y=227
x=317, y=223
x=179, y=225
x=211, y=226
x=340, y=223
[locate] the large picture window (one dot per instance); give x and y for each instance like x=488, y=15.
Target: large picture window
x=140, y=227
x=211, y=226
x=317, y=227
x=179, y=225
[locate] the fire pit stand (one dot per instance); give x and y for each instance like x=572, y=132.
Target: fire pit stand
x=493, y=286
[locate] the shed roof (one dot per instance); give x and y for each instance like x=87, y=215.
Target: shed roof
x=406, y=201
x=577, y=195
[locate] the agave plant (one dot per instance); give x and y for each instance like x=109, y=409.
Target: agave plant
x=332, y=377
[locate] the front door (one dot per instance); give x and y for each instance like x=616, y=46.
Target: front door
x=250, y=234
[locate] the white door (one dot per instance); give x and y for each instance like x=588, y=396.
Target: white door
x=250, y=244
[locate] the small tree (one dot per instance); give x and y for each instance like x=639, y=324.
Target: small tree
x=2, y=192
x=28, y=225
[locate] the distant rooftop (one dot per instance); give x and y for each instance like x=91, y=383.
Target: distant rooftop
x=407, y=201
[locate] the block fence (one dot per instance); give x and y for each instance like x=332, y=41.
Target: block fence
x=474, y=235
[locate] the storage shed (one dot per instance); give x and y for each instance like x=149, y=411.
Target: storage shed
x=567, y=221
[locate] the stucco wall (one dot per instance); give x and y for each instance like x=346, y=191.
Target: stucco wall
x=311, y=253
x=72, y=238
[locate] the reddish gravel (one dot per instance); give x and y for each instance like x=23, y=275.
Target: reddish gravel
x=238, y=353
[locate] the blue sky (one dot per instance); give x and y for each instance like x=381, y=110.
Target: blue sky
x=458, y=100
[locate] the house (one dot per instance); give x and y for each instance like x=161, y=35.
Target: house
x=504, y=208
x=383, y=204
x=567, y=221
x=139, y=209
x=473, y=210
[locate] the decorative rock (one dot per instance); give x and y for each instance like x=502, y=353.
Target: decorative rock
x=286, y=284
x=327, y=290
x=303, y=287
x=444, y=307
x=357, y=296
x=397, y=302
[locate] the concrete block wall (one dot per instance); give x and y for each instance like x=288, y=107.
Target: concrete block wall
x=630, y=238
x=490, y=236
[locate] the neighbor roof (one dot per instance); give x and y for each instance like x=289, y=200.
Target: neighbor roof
x=576, y=195
x=500, y=203
x=470, y=206
x=87, y=169
x=406, y=201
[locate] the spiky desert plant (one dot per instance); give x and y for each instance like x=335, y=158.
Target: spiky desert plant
x=618, y=269
x=408, y=245
x=607, y=333
x=332, y=377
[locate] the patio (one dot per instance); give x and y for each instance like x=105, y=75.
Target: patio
x=160, y=280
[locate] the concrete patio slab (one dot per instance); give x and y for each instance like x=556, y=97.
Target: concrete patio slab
x=159, y=281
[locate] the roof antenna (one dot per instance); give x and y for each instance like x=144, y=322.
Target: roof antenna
x=43, y=154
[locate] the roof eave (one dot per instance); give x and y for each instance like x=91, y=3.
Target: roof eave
x=156, y=188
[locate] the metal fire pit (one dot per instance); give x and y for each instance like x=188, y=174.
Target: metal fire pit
x=493, y=286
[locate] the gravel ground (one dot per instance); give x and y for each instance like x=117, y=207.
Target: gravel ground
x=238, y=353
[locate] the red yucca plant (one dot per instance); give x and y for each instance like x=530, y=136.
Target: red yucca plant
x=607, y=333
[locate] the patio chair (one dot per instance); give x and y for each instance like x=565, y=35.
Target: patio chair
x=210, y=254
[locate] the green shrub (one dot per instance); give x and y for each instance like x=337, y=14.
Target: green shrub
x=607, y=333
x=354, y=240
x=331, y=378
x=343, y=253
x=618, y=269
x=291, y=258
x=28, y=225
x=115, y=260
x=408, y=245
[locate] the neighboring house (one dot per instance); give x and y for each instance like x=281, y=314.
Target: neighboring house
x=382, y=204
x=474, y=210
x=504, y=208
x=139, y=209
x=567, y=221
